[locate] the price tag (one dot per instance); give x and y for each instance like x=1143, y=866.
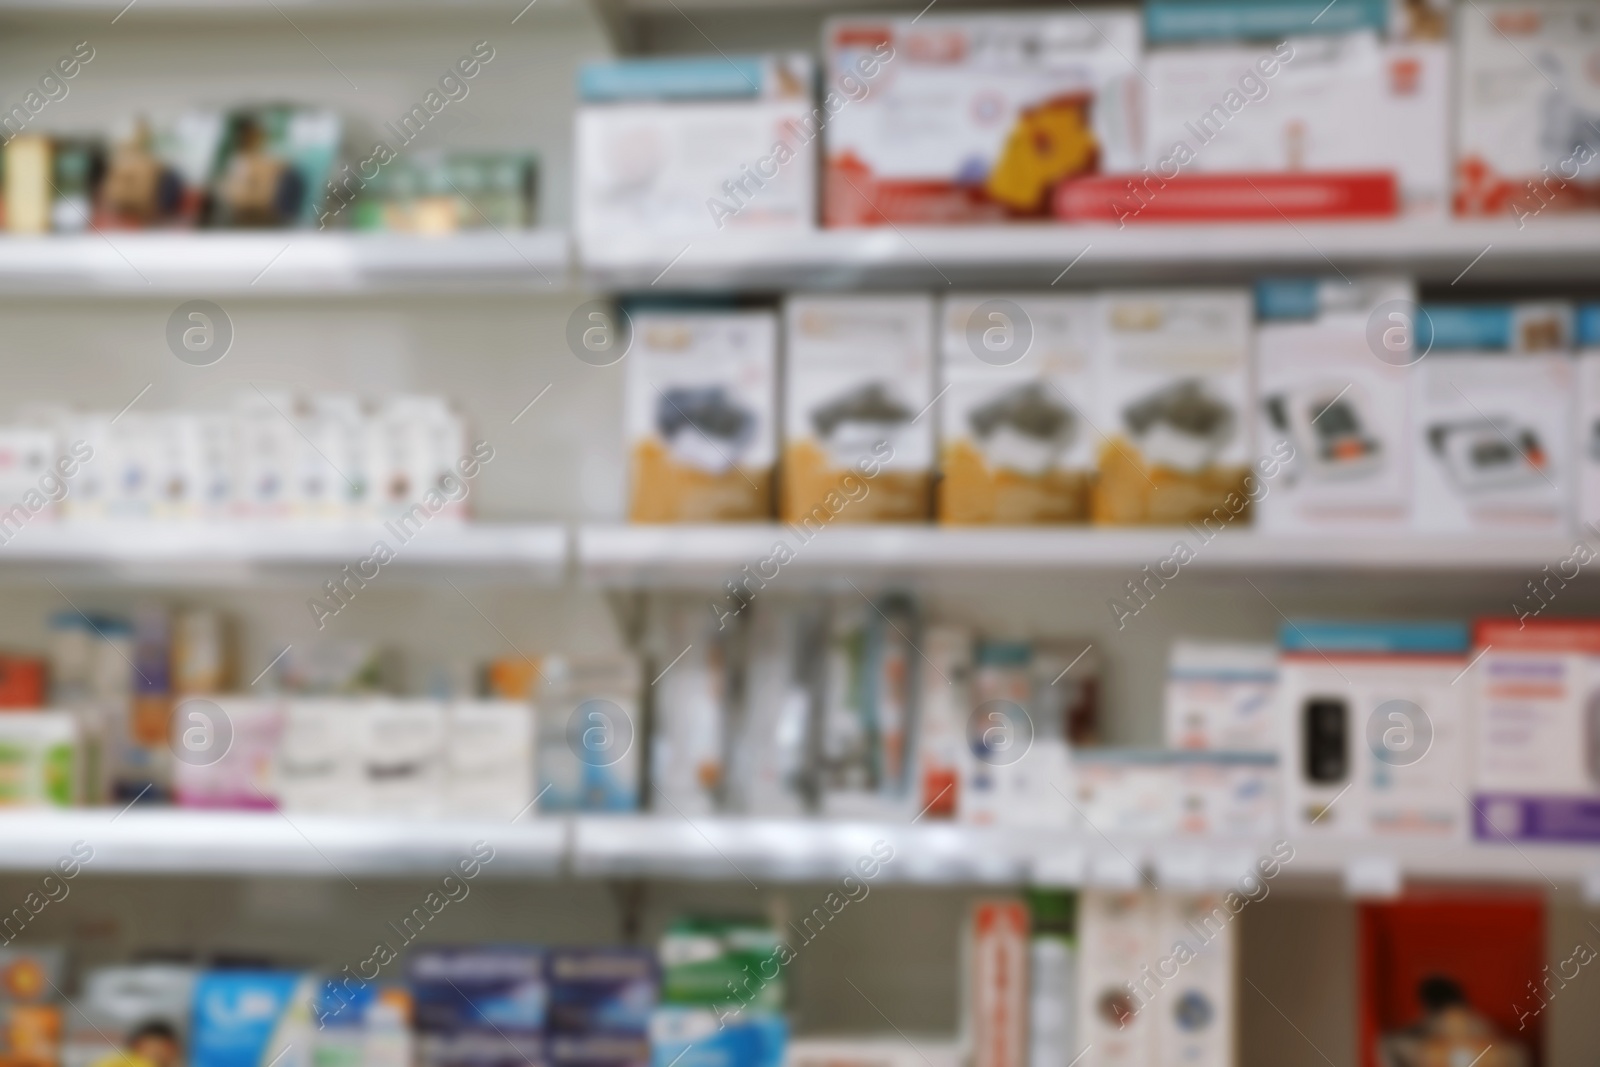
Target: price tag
x=1591, y=887
x=1373, y=876
x=1062, y=868
x=1109, y=870
x=1182, y=870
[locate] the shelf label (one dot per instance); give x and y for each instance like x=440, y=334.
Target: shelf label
x=1373, y=876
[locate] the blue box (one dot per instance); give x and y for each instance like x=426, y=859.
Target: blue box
x=237, y=1015
x=495, y=990
x=603, y=991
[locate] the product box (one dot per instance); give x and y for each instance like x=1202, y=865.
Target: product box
x=1176, y=407
x=318, y=763
x=362, y=1026
x=489, y=758
x=250, y=1018
x=488, y=990
x=1195, y=1013
x=589, y=741
x=1537, y=754
x=767, y=771
x=697, y=1037
x=1586, y=443
x=683, y=148
x=998, y=977
x=1220, y=697
x=403, y=751
x=1017, y=759
x=858, y=442
x=1018, y=379
x=1376, y=732
x=225, y=750
x=942, y=753
x=40, y=759
x=609, y=991
x=1335, y=415
x=689, y=727
x=702, y=415
x=139, y=1012
x=1117, y=939
x=869, y=698
x=1493, y=414
x=1265, y=109
x=1163, y=793
x=976, y=118
x=1529, y=93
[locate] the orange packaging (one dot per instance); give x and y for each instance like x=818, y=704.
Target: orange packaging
x=999, y=983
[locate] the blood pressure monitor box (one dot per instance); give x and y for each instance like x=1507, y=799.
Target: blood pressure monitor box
x=1493, y=419
x=1537, y=688
x=1376, y=730
x=1015, y=445
x=858, y=440
x=1175, y=407
x=701, y=404
x=1341, y=411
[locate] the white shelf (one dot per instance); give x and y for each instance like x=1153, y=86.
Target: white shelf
x=696, y=554
x=1035, y=255
x=752, y=851
x=180, y=553
x=279, y=262
x=176, y=841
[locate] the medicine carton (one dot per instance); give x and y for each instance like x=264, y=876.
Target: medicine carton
x=1377, y=737
x=1338, y=410
x=1537, y=773
x=858, y=438
x=702, y=415
x=1176, y=407
x=1493, y=419
x=1015, y=444
x=1586, y=422
x=1222, y=697
x=977, y=118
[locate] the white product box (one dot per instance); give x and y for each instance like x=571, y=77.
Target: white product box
x=1538, y=730
x=1377, y=735
x=1015, y=444
x=319, y=765
x=1332, y=412
x=89, y=497
x=1586, y=438
x=1494, y=421
x=977, y=117
x=941, y=733
x=1334, y=103
x=27, y=454
x=654, y=162
x=858, y=442
x=1530, y=92
x=1052, y=999
x=1221, y=697
x=1176, y=406
x=268, y=449
x=998, y=989
x=701, y=415
x=1117, y=939
x=768, y=767
x=489, y=759
x=1195, y=1009
x=687, y=737
x=1160, y=793
x=331, y=481
x=403, y=757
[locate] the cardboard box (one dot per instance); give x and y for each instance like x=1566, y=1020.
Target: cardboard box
x=1332, y=104
x=248, y=1018
x=485, y=1006
x=977, y=118
x=1333, y=412
x=1117, y=938
x=683, y=148
x=1586, y=437
x=489, y=758
x=857, y=435
x=1222, y=697
x=1160, y=793
x=999, y=983
x=1176, y=407
x=403, y=754
x=1538, y=730
x=318, y=764
x=1493, y=410
x=1195, y=1014
x=1377, y=733
x=589, y=735
x=1018, y=386
x=702, y=415
x=1525, y=140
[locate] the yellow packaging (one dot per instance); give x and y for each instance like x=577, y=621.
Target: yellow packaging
x=858, y=436
x=1174, y=379
x=702, y=416
x=1016, y=445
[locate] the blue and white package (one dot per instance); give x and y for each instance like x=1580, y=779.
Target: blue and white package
x=251, y=1019
x=496, y=989
x=602, y=991
x=696, y=1037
